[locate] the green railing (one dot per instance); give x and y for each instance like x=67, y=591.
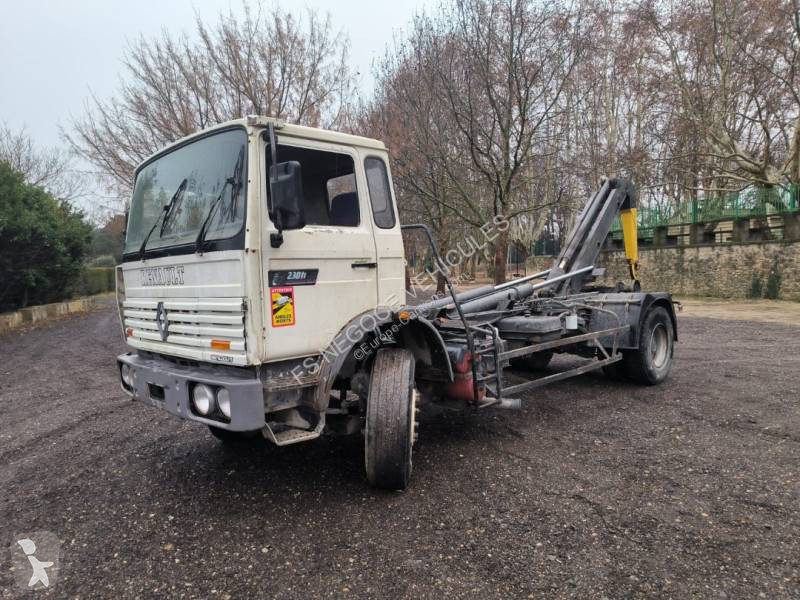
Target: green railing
x=748, y=203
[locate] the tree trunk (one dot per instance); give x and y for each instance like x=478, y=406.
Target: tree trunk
x=500, y=257
x=439, y=284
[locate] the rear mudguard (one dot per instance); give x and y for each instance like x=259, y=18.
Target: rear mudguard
x=610, y=310
x=426, y=343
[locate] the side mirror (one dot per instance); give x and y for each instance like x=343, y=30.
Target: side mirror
x=286, y=193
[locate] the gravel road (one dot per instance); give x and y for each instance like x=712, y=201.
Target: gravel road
x=596, y=488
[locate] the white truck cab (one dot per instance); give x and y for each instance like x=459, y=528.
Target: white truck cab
x=262, y=293
x=219, y=299
x=348, y=258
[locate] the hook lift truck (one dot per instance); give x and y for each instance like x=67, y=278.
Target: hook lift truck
x=262, y=294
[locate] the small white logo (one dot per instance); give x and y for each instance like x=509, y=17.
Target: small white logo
x=37, y=565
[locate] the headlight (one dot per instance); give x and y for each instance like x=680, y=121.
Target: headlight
x=224, y=402
x=125, y=373
x=203, y=399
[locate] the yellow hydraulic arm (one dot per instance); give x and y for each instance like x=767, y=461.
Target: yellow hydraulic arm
x=627, y=217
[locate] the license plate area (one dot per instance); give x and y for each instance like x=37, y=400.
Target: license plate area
x=156, y=392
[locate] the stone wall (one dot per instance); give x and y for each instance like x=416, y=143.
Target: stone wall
x=43, y=312
x=724, y=271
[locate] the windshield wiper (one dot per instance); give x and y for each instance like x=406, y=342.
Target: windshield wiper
x=236, y=185
x=164, y=215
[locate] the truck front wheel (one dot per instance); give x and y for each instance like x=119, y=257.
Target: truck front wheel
x=390, y=419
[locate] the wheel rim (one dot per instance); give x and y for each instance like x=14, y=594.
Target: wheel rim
x=659, y=346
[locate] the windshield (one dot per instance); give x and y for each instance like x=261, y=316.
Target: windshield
x=207, y=170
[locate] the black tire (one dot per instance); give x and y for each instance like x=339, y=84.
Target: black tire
x=652, y=362
x=390, y=427
x=537, y=361
x=235, y=437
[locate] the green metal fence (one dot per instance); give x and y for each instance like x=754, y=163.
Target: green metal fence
x=748, y=203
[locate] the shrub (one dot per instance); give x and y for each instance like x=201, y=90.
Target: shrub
x=93, y=281
x=772, y=290
x=756, y=286
x=106, y=260
x=42, y=243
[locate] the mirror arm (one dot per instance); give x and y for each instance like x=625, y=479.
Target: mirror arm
x=275, y=239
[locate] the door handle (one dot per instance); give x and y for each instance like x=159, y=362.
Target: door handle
x=364, y=265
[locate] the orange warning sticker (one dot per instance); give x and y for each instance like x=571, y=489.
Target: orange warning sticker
x=282, y=300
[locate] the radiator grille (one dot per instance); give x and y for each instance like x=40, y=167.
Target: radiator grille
x=207, y=329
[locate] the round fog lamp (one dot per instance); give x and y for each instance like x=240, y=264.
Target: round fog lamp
x=203, y=399
x=125, y=373
x=224, y=402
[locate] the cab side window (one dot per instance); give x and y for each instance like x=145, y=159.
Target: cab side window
x=329, y=186
x=343, y=201
x=380, y=194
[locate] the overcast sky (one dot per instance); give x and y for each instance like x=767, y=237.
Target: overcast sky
x=53, y=52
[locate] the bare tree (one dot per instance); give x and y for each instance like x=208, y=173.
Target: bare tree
x=433, y=182
x=736, y=72
x=473, y=95
x=513, y=108
x=502, y=67
x=52, y=169
x=270, y=63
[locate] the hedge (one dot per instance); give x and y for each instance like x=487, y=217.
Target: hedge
x=95, y=281
x=104, y=260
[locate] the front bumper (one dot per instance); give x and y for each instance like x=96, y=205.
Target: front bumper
x=167, y=385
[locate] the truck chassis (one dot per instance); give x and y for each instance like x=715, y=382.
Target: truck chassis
x=628, y=334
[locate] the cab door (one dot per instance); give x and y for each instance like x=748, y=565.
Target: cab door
x=325, y=274
x=386, y=230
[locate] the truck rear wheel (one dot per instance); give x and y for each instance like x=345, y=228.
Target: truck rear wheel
x=390, y=422
x=651, y=362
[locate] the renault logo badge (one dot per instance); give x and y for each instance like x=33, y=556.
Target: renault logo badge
x=162, y=322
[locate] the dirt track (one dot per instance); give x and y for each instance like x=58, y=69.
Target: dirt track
x=595, y=489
